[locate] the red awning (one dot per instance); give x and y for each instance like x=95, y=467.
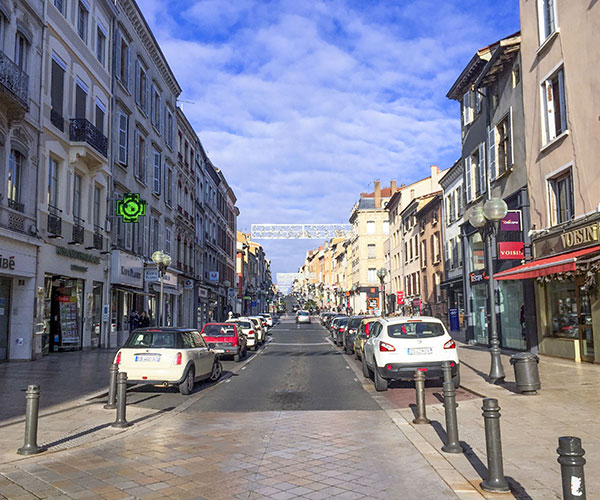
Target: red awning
x=549, y=265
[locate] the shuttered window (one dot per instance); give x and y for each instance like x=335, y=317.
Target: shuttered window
x=123, y=137
x=156, y=171
x=57, y=87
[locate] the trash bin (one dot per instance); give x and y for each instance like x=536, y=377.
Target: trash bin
x=526, y=372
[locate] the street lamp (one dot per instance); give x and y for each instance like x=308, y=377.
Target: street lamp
x=162, y=261
x=486, y=220
x=381, y=274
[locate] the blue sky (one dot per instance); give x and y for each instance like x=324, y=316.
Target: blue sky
x=304, y=104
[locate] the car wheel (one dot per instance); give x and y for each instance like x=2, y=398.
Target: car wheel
x=236, y=358
x=187, y=386
x=366, y=370
x=381, y=384
x=216, y=372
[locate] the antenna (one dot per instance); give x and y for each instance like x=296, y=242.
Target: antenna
x=184, y=101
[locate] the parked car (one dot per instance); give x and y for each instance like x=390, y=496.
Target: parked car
x=169, y=357
x=263, y=321
x=341, y=325
x=258, y=328
x=269, y=319
x=225, y=339
x=361, y=336
x=302, y=316
x=333, y=324
x=396, y=347
x=350, y=332
x=247, y=328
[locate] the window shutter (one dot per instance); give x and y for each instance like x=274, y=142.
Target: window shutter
x=466, y=107
x=137, y=81
x=482, y=172
x=158, y=114
x=468, y=180
x=147, y=95
x=152, y=106
x=551, y=130
x=492, y=151
x=117, y=58
x=127, y=65
x=477, y=98
x=551, y=25
x=122, y=138
x=563, y=102
x=137, y=159
x=145, y=175
x=511, y=155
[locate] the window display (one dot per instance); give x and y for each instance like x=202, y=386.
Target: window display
x=562, y=307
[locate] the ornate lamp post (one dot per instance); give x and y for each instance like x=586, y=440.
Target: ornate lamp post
x=486, y=220
x=381, y=274
x=162, y=261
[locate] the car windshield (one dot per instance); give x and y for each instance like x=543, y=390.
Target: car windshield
x=219, y=331
x=417, y=329
x=152, y=339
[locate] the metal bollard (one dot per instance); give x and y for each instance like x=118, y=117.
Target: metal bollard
x=121, y=421
x=452, y=445
x=113, y=371
x=30, y=446
x=421, y=417
x=571, y=467
x=496, y=482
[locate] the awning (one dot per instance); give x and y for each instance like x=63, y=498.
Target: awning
x=549, y=265
x=131, y=289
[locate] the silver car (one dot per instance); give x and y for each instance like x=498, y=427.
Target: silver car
x=302, y=316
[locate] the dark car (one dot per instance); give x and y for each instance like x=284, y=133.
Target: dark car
x=350, y=333
x=332, y=325
x=225, y=339
x=340, y=328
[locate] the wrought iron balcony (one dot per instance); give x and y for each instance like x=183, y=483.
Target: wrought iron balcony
x=78, y=232
x=57, y=120
x=54, y=224
x=98, y=241
x=15, y=205
x=82, y=130
x=15, y=81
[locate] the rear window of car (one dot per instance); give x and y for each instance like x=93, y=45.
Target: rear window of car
x=154, y=339
x=244, y=324
x=420, y=329
x=219, y=331
x=342, y=321
x=303, y=313
x=354, y=322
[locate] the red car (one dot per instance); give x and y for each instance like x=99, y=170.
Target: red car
x=225, y=339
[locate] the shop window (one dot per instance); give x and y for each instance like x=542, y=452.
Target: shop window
x=561, y=300
x=15, y=176
x=476, y=250
x=561, y=198
x=52, y=182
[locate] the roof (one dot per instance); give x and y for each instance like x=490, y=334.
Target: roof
x=426, y=201
x=385, y=193
x=505, y=52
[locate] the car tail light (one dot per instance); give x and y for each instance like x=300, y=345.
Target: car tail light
x=118, y=358
x=341, y=329
x=385, y=347
x=367, y=329
x=450, y=344
x=251, y=333
x=178, y=358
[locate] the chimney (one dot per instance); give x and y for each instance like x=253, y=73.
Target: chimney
x=434, y=171
x=377, y=194
x=392, y=187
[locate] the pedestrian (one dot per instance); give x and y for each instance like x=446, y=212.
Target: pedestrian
x=229, y=315
x=144, y=320
x=134, y=320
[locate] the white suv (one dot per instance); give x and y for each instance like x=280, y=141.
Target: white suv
x=396, y=347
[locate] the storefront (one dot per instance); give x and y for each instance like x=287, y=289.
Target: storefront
x=17, y=299
x=565, y=274
x=171, y=298
x=202, y=310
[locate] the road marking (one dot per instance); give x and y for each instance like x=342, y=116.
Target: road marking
x=306, y=343
x=228, y=380
x=243, y=367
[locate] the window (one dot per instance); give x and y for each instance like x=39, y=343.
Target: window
x=155, y=107
x=386, y=227
x=371, y=251
x=140, y=156
x=467, y=108
x=101, y=44
x=459, y=198
x=169, y=185
x=80, y=100
x=371, y=227
x=2, y=30
x=123, y=137
x=505, y=153
x=122, y=62
x=82, y=20
x=475, y=175
x=21, y=51
x=516, y=75
x=156, y=171
x=436, y=247
x=52, y=182
x=168, y=240
x=77, y=196
x=169, y=127
x=100, y=112
x=561, y=198
x=60, y=5
x=154, y=234
x=372, y=275
x=97, y=206
x=142, y=86
x=554, y=106
x=423, y=253
x=15, y=172
x=57, y=86
x=546, y=19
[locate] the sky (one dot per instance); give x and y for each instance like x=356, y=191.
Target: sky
x=303, y=104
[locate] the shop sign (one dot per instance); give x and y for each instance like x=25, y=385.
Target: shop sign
x=7, y=263
x=126, y=269
x=508, y=250
x=400, y=298
x=579, y=237
x=76, y=254
x=202, y=293
x=512, y=221
x=453, y=318
x=477, y=276
x=150, y=275
x=105, y=312
x=170, y=279
x=213, y=276
x=79, y=269
x=16, y=258
x=187, y=284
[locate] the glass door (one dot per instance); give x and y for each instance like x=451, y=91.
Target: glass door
x=586, y=331
x=4, y=315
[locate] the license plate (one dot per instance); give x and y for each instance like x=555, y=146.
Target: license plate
x=218, y=350
x=145, y=358
x=419, y=351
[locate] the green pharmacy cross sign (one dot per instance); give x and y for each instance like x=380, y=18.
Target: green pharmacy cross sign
x=131, y=207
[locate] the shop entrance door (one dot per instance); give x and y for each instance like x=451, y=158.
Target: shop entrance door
x=4, y=315
x=586, y=331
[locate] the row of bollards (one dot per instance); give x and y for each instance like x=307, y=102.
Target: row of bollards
x=117, y=398
x=569, y=448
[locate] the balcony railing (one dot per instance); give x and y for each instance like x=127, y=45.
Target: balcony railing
x=54, y=222
x=15, y=205
x=98, y=240
x=14, y=79
x=57, y=120
x=78, y=232
x=83, y=130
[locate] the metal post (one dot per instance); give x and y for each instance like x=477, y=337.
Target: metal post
x=121, y=421
x=30, y=446
x=496, y=481
x=421, y=417
x=496, y=369
x=113, y=371
x=161, y=299
x=452, y=445
x=571, y=467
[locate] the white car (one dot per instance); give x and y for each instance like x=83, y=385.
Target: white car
x=269, y=319
x=398, y=346
x=247, y=327
x=258, y=328
x=168, y=356
x=302, y=316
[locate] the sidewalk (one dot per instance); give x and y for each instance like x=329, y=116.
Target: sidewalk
x=567, y=404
